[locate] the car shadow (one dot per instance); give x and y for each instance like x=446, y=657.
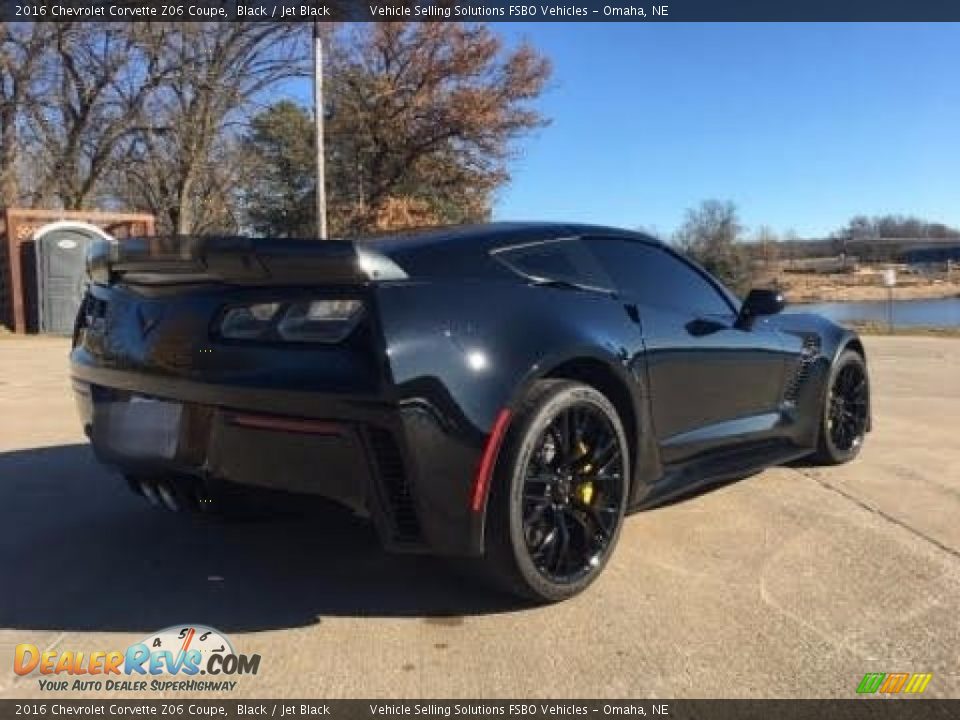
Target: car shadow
x=79, y=552
x=805, y=462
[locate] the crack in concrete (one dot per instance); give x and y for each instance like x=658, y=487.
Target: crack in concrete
x=880, y=513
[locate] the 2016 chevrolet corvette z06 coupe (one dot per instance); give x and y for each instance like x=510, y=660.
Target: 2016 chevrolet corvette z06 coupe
x=506, y=392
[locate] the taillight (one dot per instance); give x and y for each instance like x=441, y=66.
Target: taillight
x=98, y=261
x=309, y=321
x=91, y=316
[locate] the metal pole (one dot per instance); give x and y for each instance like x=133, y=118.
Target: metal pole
x=318, y=113
x=890, y=309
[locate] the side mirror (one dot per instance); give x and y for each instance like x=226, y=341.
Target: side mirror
x=760, y=302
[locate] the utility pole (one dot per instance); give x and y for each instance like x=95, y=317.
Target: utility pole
x=318, y=114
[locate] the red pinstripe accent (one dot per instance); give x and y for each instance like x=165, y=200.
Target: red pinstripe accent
x=481, y=482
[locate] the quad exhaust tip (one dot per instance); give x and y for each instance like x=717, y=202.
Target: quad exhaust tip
x=150, y=493
x=160, y=493
x=168, y=497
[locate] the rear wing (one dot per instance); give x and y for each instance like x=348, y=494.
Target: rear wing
x=180, y=260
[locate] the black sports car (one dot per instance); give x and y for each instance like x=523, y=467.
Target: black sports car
x=506, y=391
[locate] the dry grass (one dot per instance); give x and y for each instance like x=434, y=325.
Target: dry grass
x=864, y=286
x=879, y=328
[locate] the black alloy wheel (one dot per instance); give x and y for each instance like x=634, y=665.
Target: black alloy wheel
x=847, y=414
x=573, y=489
x=560, y=500
x=846, y=410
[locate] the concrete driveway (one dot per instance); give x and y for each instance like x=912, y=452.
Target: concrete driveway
x=791, y=583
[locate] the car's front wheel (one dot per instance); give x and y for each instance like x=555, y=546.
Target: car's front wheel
x=845, y=413
x=560, y=492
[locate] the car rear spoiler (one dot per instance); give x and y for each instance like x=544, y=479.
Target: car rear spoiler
x=182, y=260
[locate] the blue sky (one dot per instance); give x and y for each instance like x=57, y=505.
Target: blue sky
x=801, y=125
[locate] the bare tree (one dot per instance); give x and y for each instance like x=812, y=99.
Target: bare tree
x=22, y=49
x=711, y=235
x=422, y=118
x=218, y=73
x=767, y=242
x=99, y=79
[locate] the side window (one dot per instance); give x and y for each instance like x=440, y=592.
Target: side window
x=654, y=277
x=566, y=260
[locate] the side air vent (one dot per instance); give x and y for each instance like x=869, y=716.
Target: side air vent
x=808, y=356
x=396, y=487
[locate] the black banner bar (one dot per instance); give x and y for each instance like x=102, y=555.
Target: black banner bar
x=491, y=10
x=857, y=709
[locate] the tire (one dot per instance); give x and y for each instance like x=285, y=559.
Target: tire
x=847, y=397
x=582, y=499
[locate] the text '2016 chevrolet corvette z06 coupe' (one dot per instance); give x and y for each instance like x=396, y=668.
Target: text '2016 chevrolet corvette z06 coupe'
x=506, y=392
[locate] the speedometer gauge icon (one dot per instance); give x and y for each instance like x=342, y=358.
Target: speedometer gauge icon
x=180, y=639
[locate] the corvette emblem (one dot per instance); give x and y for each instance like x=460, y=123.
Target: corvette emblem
x=148, y=319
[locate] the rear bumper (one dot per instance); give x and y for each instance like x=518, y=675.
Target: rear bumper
x=359, y=451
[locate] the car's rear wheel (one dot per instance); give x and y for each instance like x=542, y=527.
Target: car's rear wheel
x=843, y=422
x=560, y=492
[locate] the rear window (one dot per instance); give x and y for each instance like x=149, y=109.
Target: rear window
x=565, y=260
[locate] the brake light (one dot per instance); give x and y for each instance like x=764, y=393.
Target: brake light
x=319, y=321
x=287, y=424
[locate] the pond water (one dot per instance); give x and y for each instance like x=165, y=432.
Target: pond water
x=943, y=312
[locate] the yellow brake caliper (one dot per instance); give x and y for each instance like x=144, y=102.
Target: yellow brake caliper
x=584, y=489
x=585, y=492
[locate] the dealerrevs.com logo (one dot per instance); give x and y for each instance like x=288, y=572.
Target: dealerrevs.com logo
x=172, y=659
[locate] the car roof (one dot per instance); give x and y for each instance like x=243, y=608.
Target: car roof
x=488, y=236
